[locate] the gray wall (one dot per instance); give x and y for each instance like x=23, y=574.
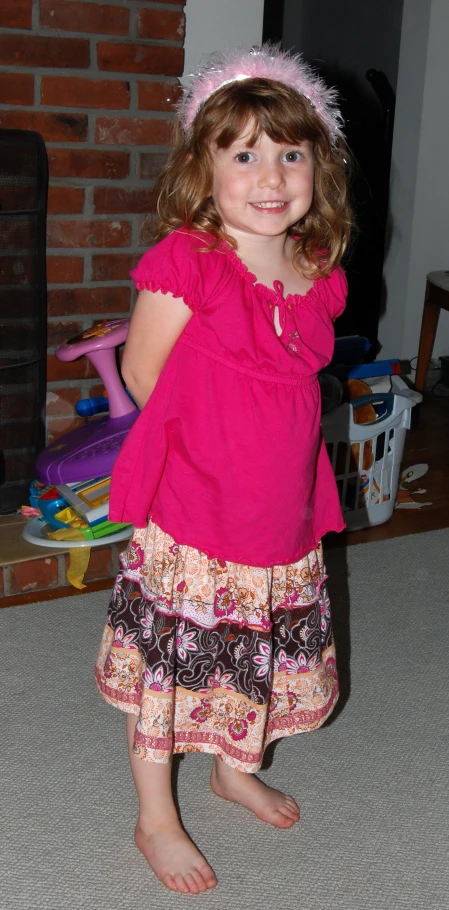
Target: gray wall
x=214, y=25
x=419, y=198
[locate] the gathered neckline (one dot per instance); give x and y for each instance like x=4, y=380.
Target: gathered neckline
x=271, y=294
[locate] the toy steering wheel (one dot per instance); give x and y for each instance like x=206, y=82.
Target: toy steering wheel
x=98, y=344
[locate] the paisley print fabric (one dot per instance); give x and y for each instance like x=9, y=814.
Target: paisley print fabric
x=214, y=656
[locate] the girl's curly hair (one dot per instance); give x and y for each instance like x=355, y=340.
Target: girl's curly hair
x=184, y=186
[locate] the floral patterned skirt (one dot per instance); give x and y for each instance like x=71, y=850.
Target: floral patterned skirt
x=214, y=656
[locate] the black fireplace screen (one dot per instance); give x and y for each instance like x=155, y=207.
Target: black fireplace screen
x=23, y=311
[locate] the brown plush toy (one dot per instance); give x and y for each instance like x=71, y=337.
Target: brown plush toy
x=353, y=388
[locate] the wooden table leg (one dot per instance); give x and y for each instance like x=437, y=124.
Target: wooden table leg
x=431, y=313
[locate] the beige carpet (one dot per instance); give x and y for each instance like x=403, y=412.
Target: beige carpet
x=372, y=784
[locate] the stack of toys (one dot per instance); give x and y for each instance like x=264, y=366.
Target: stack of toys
x=81, y=506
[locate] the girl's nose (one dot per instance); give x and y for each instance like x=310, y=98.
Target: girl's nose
x=272, y=175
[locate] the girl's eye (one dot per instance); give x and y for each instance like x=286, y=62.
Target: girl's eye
x=292, y=156
x=244, y=157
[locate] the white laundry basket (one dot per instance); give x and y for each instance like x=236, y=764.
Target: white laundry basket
x=366, y=458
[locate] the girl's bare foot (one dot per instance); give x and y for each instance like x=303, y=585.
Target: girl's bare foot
x=174, y=858
x=159, y=834
x=269, y=804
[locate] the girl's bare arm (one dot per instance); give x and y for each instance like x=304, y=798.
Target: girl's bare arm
x=156, y=325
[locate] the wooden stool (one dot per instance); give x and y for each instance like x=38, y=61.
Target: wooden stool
x=437, y=298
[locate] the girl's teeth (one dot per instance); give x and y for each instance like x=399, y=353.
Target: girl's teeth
x=269, y=205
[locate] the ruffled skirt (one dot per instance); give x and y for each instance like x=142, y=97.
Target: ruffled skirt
x=213, y=656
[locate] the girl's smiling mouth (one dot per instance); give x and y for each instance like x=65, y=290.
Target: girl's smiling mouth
x=270, y=207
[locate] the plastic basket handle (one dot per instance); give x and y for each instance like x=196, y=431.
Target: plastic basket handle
x=376, y=397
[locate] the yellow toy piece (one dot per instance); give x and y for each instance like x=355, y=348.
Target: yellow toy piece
x=71, y=518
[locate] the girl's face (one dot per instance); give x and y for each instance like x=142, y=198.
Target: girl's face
x=262, y=189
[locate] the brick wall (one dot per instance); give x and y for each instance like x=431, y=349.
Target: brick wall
x=98, y=82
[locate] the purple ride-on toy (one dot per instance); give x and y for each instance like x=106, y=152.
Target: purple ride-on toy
x=90, y=451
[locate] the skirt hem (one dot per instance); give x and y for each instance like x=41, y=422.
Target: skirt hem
x=214, y=744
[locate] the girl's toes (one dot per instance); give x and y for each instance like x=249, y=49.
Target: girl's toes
x=292, y=806
x=191, y=883
x=208, y=877
x=286, y=817
x=199, y=880
x=211, y=881
x=293, y=810
x=169, y=882
x=283, y=821
x=181, y=884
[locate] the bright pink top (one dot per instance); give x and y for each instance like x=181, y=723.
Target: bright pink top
x=227, y=455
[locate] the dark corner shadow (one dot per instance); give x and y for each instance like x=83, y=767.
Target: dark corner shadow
x=335, y=557
x=176, y=763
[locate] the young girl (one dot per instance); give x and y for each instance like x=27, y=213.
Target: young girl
x=218, y=636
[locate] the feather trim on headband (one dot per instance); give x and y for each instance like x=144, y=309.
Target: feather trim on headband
x=266, y=62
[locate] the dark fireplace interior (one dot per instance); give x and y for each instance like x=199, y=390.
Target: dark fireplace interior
x=23, y=311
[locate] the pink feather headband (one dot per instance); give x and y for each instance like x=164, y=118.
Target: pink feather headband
x=266, y=62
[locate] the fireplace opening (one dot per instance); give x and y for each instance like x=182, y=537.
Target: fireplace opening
x=23, y=311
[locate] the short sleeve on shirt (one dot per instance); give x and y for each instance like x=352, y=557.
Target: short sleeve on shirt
x=179, y=266
x=334, y=293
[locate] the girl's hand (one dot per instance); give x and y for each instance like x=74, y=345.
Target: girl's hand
x=157, y=322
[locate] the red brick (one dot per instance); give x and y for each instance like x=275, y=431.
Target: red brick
x=153, y=60
x=100, y=564
x=17, y=88
x=84, y=17
x=52, y=127
x=165, y=24
x=118, y=201
x=69, y=91
x=96, y=390
x=16, y=14
x=88, y=163
x=57, y=371
x=127, y=131
x=65, y=200
x=34, y=574
x=151, y=164
x=61, y=401
x=65, y=269
x=58, y=332
x=59, y=426
x=37, y=50
x=113, y=268
x=88, y=233
x=158, y=96
x=73, y=301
